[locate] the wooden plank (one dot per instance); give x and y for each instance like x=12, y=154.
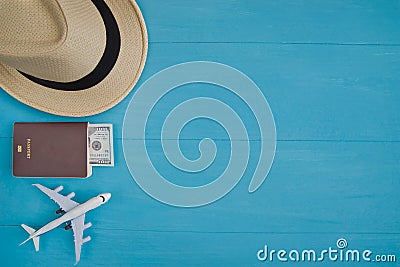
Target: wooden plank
x=312, y=187
x=299, y=21
x=154, y=248
x=315, y=92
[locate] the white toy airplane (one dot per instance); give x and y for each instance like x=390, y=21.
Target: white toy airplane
x=74, y=213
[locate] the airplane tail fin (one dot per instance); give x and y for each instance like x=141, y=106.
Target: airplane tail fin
x=31, y=231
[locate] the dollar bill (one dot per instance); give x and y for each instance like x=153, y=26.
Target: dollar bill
x=101, y=150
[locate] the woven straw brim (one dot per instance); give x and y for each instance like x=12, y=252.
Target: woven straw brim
x=106, y=94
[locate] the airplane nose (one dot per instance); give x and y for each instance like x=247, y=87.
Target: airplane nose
x=107, y=196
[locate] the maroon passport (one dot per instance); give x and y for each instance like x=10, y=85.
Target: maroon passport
x=51, y=149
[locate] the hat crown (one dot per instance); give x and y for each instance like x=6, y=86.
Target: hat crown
x=56, y=40
x=30, y=26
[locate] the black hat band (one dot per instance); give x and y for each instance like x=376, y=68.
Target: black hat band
x=106, y=63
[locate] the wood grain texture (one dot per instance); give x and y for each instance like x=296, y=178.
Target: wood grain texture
x=315, y=92
x=297, y=21
x=313, y=186
x=181, y=248
x=330, y=72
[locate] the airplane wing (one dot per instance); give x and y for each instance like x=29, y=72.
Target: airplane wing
x=64, y=202
x=78, y=225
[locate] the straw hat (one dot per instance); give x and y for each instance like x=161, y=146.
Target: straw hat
x=71, y=57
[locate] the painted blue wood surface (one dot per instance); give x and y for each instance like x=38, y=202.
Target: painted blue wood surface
x=330, y=71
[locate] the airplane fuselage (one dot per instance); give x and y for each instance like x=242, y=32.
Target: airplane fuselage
x=70, y=215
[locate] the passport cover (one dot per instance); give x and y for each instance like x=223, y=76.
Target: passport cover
x=50, y=149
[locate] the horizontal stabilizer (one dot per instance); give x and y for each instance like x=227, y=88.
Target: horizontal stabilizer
x=31, y=231
x=36, y=243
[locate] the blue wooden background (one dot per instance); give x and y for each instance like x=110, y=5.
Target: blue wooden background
x=330, y=71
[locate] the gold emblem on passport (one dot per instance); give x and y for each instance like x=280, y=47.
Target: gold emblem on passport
x=19, y=149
